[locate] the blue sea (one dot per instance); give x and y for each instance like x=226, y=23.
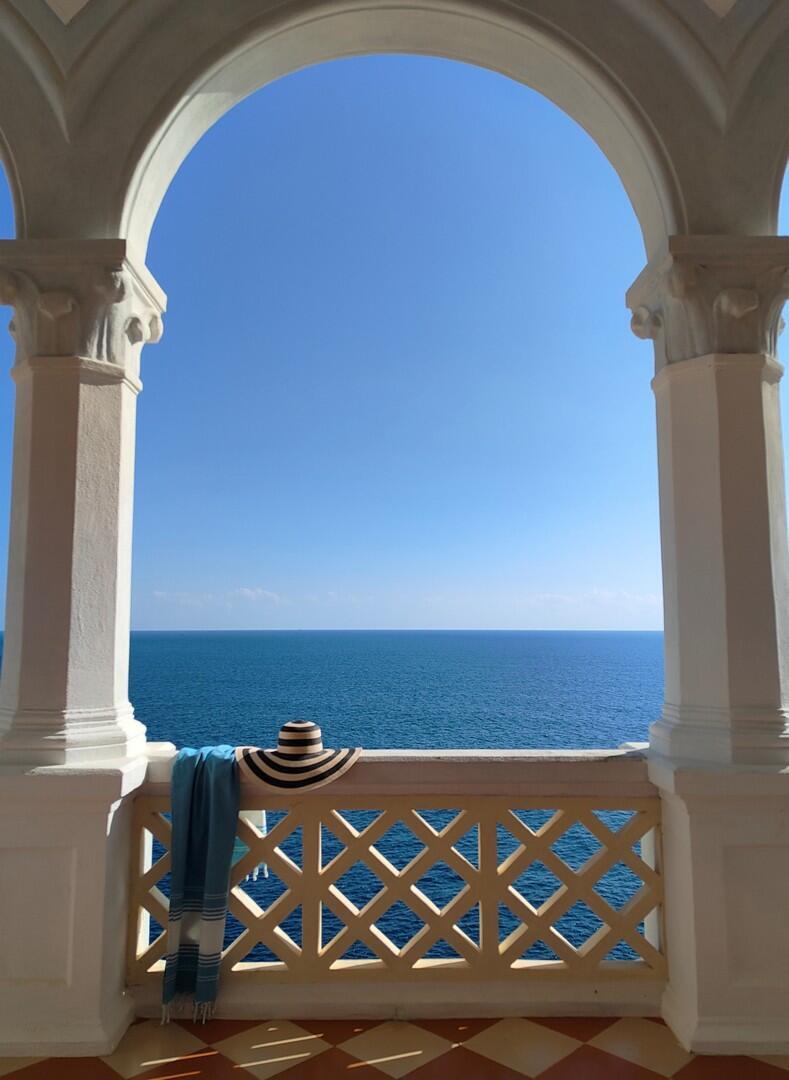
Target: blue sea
x=400, y=689
x=410, y=689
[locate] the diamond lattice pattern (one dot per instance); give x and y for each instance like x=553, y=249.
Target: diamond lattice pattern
x=482, y=886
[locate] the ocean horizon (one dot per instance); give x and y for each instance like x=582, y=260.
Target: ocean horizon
x=399, y=689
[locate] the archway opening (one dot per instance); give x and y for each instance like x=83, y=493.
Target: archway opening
x=526, y=50
x=397, y=390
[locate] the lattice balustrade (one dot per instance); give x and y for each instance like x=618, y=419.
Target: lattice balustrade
x=476, y=887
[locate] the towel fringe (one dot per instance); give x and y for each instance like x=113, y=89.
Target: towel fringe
x=203, y=1011
x=177, y=1007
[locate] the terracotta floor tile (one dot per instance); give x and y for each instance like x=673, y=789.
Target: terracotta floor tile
x=65, y=1069
x=548, y=1048
x=457, y=1031
x=214, y=1030
x=13, y=1065
x=334, y=1064
x=706, y=1067
x=582, y=1028
x=204, y=1065
x=587, y=1063
x=337, y=1031
x=462, y=1064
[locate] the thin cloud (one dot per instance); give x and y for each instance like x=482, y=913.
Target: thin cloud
x=227, y=599
x=257, y=593
x=596, y=597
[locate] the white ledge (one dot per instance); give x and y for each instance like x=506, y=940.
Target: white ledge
x=719, y=780
x=611, y=773
x=99, y=782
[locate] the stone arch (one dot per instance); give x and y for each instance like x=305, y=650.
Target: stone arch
x=10, y=181
x=782, y=193
x=471, y=33
x=757, y=139
x=8, y=191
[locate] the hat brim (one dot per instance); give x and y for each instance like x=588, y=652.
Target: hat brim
x=305, y=773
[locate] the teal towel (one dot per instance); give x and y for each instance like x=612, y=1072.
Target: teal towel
x=205, y=795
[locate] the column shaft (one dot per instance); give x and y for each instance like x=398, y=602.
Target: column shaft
x=712, y=306
x=723, y=538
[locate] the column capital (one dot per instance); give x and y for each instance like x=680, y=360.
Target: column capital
x=711, y=295
x=88, y=299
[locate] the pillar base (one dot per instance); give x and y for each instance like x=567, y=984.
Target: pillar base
x=64, y=881
x=67, y=1039
x=730, y=1035
x=34, y=738
x=722, y=736
x=726, y=876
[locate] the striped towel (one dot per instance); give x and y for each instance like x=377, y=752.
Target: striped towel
x=205, y=792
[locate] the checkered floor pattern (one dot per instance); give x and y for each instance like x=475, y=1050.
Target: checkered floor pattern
x=552, y=1049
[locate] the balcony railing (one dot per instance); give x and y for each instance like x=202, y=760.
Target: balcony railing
x=422, y=876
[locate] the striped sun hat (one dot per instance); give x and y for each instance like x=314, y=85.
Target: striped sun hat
x=299, y=762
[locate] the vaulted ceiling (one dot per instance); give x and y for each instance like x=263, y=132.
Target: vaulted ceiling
x=68, y=9
x=687, y=98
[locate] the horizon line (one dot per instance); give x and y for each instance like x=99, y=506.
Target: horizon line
x=396, y=630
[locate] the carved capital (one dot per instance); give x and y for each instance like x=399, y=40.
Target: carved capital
x=84, y=299
x=712, y=294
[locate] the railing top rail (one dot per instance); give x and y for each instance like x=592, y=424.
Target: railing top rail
x=616, y=773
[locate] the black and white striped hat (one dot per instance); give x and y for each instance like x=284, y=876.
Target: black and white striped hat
x=299, y=762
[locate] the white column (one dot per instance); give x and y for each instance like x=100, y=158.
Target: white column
x=71, y=752
x=720, y=750
x=713, y=305
x=82, y=311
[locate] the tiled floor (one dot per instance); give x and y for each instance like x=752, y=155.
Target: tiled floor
x=553, y=1049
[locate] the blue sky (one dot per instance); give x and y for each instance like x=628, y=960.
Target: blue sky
x=397, y=385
